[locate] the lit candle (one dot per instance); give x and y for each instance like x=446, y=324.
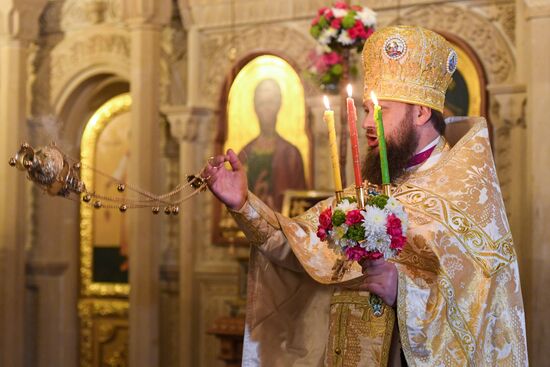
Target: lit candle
x=329, y=119
x=381, y=140
x=352, y=125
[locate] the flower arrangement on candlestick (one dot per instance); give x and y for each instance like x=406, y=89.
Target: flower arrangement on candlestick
x=377, y=231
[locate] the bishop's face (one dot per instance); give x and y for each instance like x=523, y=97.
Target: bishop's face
x=401, y=139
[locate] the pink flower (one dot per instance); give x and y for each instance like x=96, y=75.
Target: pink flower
x=329, y=14
x=353, y=217
x=340, y=5
x=336, y=23
x=315, y=20
x=325, y=219
x=322, y=234
x=320, y=65
x=356, y=7
x=332, y=58
x=322, y=11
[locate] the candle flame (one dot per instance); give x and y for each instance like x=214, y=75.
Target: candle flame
x=373, y=97
x=326, y=102
x=348, y=88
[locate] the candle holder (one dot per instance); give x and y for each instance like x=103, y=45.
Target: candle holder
x=386, y=188
x=361, y=196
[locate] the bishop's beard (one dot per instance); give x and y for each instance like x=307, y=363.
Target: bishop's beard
x=400, y=150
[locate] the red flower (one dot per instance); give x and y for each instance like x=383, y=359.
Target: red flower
x=325, y=219
x=340, y=5
x=398, y=242
x=353, y=217
x=315, y=20
x=357, y=31
x=329, y=14
x=356, y=8
x=336, y=23
x=393, y=226
x=356, y=253
x=374, y=255
x=322, y=233
x=322, y=11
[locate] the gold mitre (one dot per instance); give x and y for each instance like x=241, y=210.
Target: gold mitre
x=408, y=64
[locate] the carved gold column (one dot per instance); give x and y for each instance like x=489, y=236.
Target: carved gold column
x=145, y=19
x=18, y=26
x=536, y=49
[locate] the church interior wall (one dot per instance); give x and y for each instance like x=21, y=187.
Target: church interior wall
x=82, y=57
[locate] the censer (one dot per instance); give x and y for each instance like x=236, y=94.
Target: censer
x=59, y=175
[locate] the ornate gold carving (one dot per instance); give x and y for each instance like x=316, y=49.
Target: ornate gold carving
x=215, y=47
x=481, y=34
x=91, y=133
x=504, y=15
x=72, y=15
x=103, y=332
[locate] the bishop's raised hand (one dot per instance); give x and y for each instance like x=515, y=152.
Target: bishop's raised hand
x=230, y=186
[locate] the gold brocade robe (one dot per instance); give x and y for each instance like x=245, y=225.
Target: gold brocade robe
x=459, y=299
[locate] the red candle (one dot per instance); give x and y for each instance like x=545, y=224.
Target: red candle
x=352, y=125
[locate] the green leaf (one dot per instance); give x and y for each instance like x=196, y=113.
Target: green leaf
x=338, y=218
x=348, y=21
x=323, y=22
x=337, y=69
x=315, y=31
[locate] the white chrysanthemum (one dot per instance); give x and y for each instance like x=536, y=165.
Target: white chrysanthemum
x=367, y=17
x=374, y=219
x=393, y=205
x=346, y=206
x=326, y=35
x=377, y=241
x=344, y=38
x=339, y=13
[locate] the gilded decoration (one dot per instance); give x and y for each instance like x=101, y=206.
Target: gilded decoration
x=103, y=332
x=215, y=48
x=353, y=326
x=483, y=36
x=97, y=123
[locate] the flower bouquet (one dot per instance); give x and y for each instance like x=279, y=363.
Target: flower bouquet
x=327, y=69
x=338, y=29
x=343, y=26
x=377, y=231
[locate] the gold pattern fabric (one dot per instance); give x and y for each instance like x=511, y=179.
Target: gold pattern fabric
x=408, y=64
x=459, y=299
x=357, y=337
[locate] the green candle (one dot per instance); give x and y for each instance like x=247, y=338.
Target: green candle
x=381, y=140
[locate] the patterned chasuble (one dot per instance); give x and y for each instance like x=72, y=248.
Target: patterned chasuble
x=459, y=300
